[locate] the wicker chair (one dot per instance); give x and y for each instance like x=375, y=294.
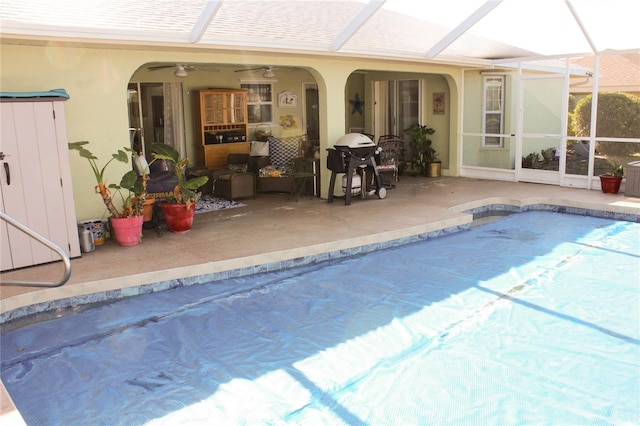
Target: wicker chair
x=389, y=159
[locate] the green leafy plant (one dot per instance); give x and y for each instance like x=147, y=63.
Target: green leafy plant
x=616, y=170
x=531, y=161
x=186, y=191
x=423, y=152
x=130, y=183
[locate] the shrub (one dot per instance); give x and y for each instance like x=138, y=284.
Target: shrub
x=617, y=116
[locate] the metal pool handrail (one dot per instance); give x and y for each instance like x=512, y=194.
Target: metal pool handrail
x=51, y=245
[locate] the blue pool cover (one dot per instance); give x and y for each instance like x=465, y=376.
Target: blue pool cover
x=532, y=319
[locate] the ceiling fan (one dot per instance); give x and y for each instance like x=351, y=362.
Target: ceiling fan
x=181, y=70
x=267, y=72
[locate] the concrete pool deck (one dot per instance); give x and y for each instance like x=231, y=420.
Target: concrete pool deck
x=273, y=228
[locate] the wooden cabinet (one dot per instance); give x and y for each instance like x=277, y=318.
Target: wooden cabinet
x=222, y=124
x=35, y=182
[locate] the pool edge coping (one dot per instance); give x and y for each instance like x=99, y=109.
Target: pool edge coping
x=110, y=289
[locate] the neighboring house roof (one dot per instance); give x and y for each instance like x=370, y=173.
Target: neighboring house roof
x=454, y=31
x=618, y=73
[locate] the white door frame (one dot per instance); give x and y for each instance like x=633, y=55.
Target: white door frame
x=534, y=175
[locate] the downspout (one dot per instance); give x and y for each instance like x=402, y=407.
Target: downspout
x=460, y=143
x=519, y=125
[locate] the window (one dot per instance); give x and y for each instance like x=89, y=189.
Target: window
x=259, y=102
x=493, y=110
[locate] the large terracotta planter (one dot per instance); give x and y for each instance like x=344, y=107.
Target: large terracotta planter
x=178, y=217
x=127, y=230
x=610, y=184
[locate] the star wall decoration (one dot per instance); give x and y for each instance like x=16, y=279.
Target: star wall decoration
x=356, y=105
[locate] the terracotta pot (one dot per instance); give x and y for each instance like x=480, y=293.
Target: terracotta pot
x=178, y=217
x=147, y=209
x=610, y=184
x=127, y=230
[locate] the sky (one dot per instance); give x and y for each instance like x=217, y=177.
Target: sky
x=544, y=26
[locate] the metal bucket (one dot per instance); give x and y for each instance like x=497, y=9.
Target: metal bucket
x=98, y=228
x=86, y=239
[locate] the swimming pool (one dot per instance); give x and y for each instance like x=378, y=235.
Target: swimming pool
x=530, y=319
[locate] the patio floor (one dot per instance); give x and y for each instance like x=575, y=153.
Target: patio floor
x=274, y=227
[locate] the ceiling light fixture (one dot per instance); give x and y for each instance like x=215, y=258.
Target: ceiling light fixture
x=180, y=71
x=268, y=73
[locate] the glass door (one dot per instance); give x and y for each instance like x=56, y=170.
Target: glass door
x=145, y=103
x=311, y=111
x=397, y=107
x=134, y=106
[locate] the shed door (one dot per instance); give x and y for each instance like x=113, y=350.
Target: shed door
x=35, y=186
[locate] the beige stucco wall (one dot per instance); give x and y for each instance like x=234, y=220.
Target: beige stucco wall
x=96, y=79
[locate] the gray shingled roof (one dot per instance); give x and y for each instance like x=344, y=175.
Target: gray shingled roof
x=460, y=30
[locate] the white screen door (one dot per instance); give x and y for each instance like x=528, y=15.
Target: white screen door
x=543, y=129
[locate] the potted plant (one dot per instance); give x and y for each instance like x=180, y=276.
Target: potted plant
x=126, y=222
x=424, y=156
x=610, y=181
x=180, y=207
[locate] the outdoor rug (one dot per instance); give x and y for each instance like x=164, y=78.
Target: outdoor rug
x=209, y=203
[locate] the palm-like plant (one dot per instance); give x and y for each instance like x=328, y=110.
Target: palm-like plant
x=130, y=182
x=423, y=153
x=186, y=191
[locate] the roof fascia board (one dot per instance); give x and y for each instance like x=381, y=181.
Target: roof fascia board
x=389, y=54
x=500, y=62
x=361, y=18
x=208, y=12
x=548, y=69
x=16, y=30
x=462, y=28
x=251, y=45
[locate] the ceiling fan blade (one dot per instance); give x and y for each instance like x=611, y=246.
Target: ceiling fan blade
x=160, y=67
x=253, y=69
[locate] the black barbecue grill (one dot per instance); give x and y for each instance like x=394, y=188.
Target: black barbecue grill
x=353, y=154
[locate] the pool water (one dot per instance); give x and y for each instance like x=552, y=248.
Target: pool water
x=531, y=319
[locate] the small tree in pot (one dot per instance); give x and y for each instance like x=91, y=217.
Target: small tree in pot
x=610, y=181
x=423, y=153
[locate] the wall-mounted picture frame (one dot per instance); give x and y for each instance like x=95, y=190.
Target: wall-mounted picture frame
x=438, y=103
x=287, y=99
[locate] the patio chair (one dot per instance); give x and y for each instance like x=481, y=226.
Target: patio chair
x=386, y=137
x=389, y=159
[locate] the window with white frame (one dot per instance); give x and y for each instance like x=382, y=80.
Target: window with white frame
x=493, y=110
x=259, y=102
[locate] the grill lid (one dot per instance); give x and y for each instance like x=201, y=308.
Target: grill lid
x=354, y=140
